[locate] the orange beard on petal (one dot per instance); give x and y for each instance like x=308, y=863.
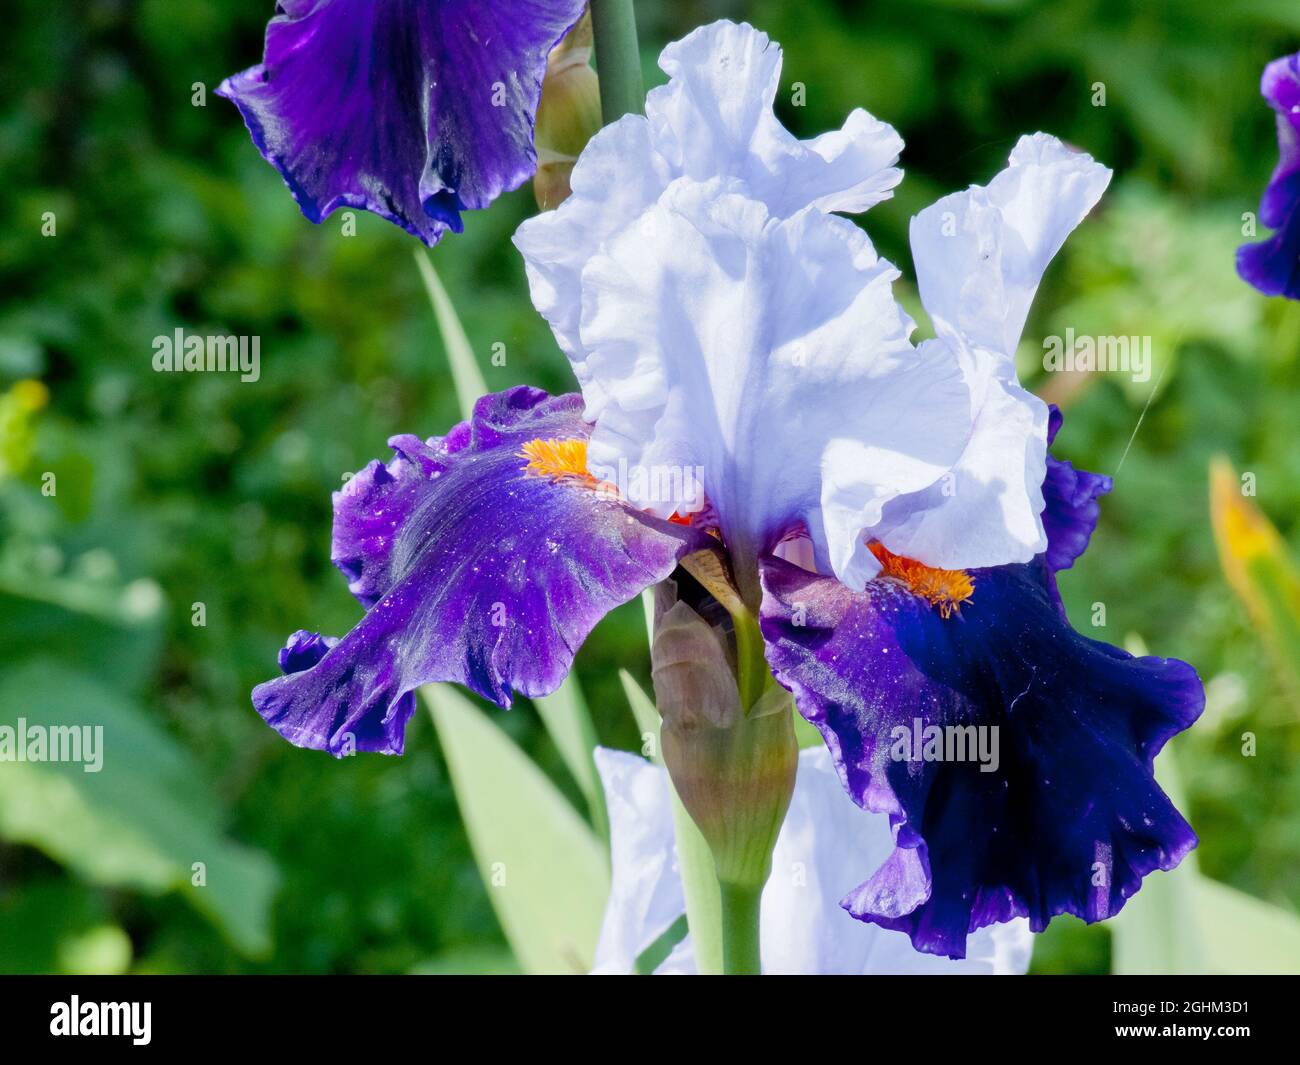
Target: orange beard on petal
x=566, y=460
x=557, y=459
x=944, y=589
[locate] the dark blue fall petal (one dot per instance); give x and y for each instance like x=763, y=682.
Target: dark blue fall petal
x=1071, y=820
x=1273, y=265
x=412, y=109
x=475, y=571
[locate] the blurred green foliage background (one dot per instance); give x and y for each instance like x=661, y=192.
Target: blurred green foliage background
x=180, y=490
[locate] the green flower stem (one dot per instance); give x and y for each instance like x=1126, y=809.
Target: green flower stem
x=752, y=674
x=740, y=906
x=618, y=59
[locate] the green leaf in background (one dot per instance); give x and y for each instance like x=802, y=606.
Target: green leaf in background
x=59, y=926
x=466, y=374
x=1183, y=923
x=1157, y=932
x=700, y=887
x=77, y=620
x=657, y=952
x=1255, y=560
x=469, y=961
x=646, y=714
x=142, y=821
x=1243, y=934
x=546, y=871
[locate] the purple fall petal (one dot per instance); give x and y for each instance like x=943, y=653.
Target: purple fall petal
x=412, y=109
x=475, y=571
x=301, y=652
x=1071, y=506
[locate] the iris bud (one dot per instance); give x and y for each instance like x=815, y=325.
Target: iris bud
x=567, y=116
x=733, y=766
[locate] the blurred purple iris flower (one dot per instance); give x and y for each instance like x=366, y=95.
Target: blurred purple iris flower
x=1273, y=265
x=413, y=109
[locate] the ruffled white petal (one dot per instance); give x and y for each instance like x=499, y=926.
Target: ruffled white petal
x=714, y=120
x=825, y=843
x=979, y=256
x=769, y=355
x=986, y=510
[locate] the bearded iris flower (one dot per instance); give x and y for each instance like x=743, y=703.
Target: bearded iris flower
x=1273, y=265
x=414, y=110
x=888, y=512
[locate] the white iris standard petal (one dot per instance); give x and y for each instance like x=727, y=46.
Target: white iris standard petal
x=825, y=843
x=979, y=257
x=714, y=119
x=980, y=254
x=618, y=176
x=726, y=330
x=712, y=127
x=769, y=356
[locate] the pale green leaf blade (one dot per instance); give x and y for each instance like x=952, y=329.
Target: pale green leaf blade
x=566, y=717
x=1182, y=922
x=1243, y=934
x=546, y=871
x=1156, y=932
x=646, y=714
x=700, y=886
x=465, y=372
x=648, y=609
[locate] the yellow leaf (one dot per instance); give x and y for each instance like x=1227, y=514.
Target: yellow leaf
x=1258, y=566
